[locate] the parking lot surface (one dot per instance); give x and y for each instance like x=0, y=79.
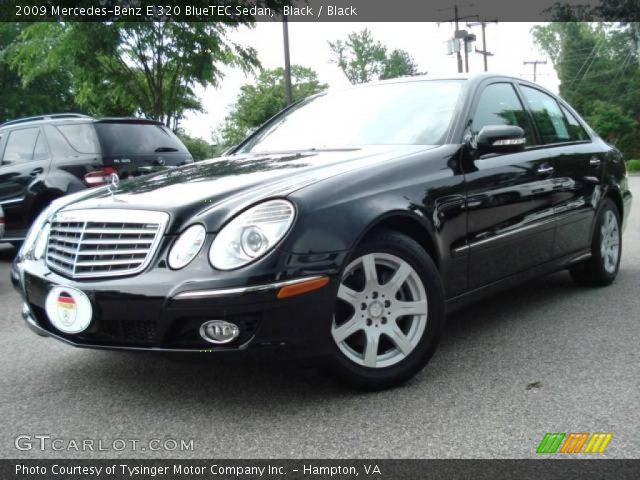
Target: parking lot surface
x=548, y=356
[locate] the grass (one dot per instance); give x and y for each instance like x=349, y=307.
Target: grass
x=633, y=165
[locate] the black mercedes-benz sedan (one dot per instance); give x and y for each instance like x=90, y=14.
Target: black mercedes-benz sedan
x=343, y=229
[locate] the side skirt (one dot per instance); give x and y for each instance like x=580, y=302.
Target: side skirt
x=511, y=281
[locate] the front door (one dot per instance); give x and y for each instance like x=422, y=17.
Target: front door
x=510, y=220
x=24, y=161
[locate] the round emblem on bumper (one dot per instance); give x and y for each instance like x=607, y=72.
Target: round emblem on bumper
x=69, y=310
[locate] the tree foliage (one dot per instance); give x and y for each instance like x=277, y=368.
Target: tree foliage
x=260, y=101
x=42, y=95
x=198, y=148
x=363, y=59
x=122, y=68
x=599, y=73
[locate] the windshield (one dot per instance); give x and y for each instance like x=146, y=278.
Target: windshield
x=404, y=113
x=129, y=138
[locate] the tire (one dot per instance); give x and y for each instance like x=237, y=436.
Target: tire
x=373, y=345
x=606, y=249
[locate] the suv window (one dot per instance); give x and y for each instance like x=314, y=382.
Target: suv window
x=20, y=145
x=40, y=152
x=58, y=144
x=128, y=138
x=576, y=132
x=81, y=136
x=551, y=123
x=499, y=105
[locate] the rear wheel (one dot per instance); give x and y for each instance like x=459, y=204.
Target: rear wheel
x=388, y=314
x=606, y=248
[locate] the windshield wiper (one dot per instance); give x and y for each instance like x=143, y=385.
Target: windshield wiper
x=165, y=149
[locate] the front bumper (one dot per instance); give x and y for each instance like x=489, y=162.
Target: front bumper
x=163, y=310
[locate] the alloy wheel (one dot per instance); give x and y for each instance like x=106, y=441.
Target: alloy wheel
x=610, y=241
x=381, y=312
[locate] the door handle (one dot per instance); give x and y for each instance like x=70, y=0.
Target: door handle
x=595, y=162
x=545, y=169
x=36, y=171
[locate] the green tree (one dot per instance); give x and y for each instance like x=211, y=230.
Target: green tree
x=121, y=68
x=398, y=64
x=597, y=65
x=360, y=57
x=44, y=94
x=198, y=148
x=363, y=59
x=260, y=101
x=613, y=124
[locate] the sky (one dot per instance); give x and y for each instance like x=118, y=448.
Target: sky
x=510, y=42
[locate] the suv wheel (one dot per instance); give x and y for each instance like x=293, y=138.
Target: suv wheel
x=388, y=314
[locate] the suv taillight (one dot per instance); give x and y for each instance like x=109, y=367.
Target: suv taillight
x=100, y=177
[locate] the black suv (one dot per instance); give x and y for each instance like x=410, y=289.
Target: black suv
x=43, y=158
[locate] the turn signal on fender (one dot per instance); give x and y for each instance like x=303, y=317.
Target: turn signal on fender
x=300, y=288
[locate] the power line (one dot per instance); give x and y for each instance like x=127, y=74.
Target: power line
x=484, y=51
x=593, y=50
x=535, y=64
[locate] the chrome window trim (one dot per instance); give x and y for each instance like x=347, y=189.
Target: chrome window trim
x=112, y=216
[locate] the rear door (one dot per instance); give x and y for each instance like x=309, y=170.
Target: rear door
x=577, y=164
x=24, y=162
x=509, y=196
x=138, y=147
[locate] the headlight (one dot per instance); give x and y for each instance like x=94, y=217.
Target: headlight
x=187, y=247
x=41, y=243
x=251, y=234
x=36, y=229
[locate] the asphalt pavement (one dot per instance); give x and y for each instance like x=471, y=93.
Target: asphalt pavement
x=548, y=356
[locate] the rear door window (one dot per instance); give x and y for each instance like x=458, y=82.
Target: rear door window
x=551, y=123
x=20, y=145
x=137, y=139
x=40, y=152
x=81, y=136
x=576, y=131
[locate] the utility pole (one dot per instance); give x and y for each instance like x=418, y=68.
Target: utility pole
x=463, y=39
x=484, y=51
x=287, y=61
x=457, y=20
x=535, y=64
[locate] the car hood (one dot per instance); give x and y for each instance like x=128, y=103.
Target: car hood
x=211, y=191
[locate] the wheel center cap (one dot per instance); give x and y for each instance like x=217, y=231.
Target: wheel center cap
x=375, y=309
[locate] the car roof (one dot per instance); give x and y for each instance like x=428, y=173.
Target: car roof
x=471, y=80
x=471, y=77
x=64, y=118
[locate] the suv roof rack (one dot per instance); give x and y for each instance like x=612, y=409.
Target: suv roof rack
x=53, y=116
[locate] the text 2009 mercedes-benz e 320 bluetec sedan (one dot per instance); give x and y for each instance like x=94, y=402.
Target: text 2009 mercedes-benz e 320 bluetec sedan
x=342, y=229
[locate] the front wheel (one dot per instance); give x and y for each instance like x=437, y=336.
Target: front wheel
x=606, y=248
x=388, y=314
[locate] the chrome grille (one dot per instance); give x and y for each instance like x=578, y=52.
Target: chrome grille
x=103, y=243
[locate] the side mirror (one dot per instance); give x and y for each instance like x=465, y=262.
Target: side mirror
x=500, y=139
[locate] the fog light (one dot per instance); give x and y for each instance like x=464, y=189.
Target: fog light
x=219, y=331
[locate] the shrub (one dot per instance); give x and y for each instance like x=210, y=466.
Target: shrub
x=198, y=148
x=633, y=165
